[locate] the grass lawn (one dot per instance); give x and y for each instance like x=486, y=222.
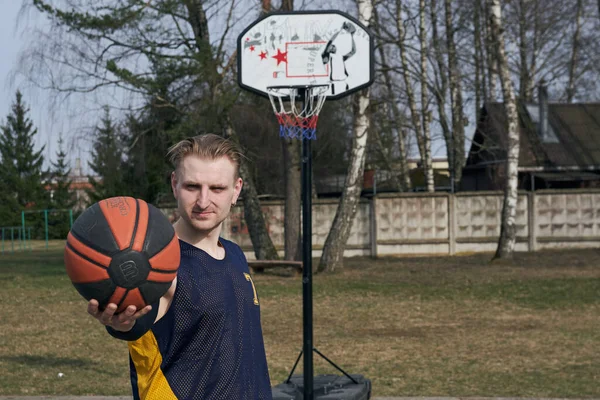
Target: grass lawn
x=418, y=326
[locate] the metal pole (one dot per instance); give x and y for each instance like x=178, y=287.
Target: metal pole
x=71, y=219
x=293, y=368
x=307, y=307
x=46, y=226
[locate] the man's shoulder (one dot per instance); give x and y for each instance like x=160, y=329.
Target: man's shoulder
x=228, y=244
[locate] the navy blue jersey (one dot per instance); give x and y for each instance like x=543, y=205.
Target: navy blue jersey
x=209, y=344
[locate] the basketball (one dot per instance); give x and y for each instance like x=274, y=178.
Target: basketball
x=122, y=250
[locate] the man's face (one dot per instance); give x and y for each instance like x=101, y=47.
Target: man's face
x=205, y=190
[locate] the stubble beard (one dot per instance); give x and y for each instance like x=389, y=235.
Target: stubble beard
x=205, y=225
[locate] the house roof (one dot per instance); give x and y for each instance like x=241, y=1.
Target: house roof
x=573, y=142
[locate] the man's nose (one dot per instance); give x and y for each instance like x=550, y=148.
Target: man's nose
x=203, y=201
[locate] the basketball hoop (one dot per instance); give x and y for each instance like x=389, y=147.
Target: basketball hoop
x=297, y=122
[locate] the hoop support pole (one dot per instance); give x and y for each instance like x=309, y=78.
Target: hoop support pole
x=307, y=300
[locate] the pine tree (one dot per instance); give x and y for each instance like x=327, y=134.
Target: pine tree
x=21, y=173
x=9, y=204
x=107, y=162
x=63, y=197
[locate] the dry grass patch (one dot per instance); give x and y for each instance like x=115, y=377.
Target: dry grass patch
x=416, y=326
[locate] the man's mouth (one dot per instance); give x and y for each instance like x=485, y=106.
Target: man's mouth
x=201, y=213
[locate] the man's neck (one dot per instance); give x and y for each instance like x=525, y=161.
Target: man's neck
x=205, y=240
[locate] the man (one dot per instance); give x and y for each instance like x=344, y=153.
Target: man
x=203, y=339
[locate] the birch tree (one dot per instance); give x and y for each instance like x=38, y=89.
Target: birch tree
x=333, y=251
x=423, y=141
x=383, y=134
x=506, y=243
x=397, y=120
x=425, y=114
x=478, y=87
x=440, y=88
x=575, y=52
x=525, y=78
x=456, y=99
x=492, y=64
x=537, y=28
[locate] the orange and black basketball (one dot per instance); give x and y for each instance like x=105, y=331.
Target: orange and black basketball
x=122, y=250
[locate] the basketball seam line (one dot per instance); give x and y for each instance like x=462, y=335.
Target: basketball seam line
x=160, y=271
x=91, y=245
x=124, y=296
x=85, y=257
x=135, y=226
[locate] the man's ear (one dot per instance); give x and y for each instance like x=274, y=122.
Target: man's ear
x=174, y=183
x=237, y=189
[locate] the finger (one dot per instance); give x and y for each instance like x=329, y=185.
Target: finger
x=92, y=308
x=126, y=315
x=143, y=312
x=108, y=313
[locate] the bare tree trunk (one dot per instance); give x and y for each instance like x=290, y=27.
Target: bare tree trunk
x=481, y=45
x=287, y=5
x=535, y=48
x=491, y=60
x=440, y=92
x=416, y=122
x=264, y=249
x=424, y=100
x=506, y=243
x=456, y=101
x=291, y=149
x=477, y=45
x=404, y=184
x=265, y=7
x=397, y=183
x=404, y=181
x=524, y=76
x=574, y=53
x=293, y=198
x=335, y=244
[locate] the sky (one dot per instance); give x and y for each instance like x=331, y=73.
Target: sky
x=11, y=42
x=14, y=37
x=9, y=49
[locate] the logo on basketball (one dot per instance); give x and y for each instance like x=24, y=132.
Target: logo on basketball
x=119, y=202
x=129, y=270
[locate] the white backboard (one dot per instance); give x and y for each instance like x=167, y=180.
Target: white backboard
x=303, y=49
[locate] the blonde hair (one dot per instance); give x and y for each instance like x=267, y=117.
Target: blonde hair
x=209, y=146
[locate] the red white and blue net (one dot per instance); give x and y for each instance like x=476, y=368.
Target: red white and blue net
x=298, y=121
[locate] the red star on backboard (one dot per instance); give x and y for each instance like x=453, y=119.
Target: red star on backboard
x=280, y=57
x=262, y=55
x=251, y=48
